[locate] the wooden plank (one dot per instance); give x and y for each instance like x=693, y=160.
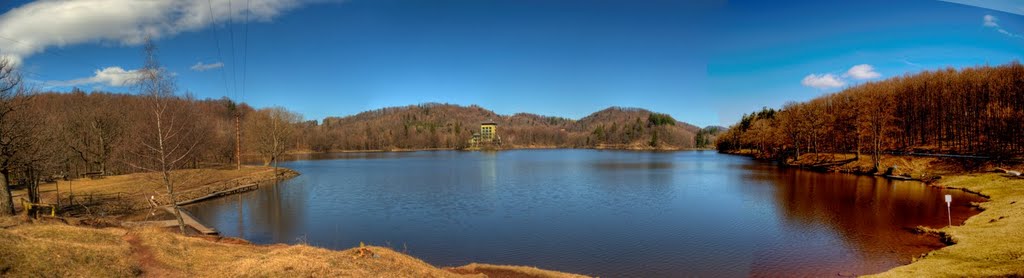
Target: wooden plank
x=159, y=223
x=192, y=222
x=234, y=190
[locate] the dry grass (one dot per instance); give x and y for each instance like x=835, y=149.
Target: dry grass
x=988, y=244
x=33, y=250
x=56, y=250
x=63, y=250
x=136, y=189
x=918, y=167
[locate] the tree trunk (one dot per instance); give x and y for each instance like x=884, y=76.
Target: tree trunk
x=797, y=144
x=857, y=157
x=166, y=170
x=876, y=157
x=103, y=158
x=174, y=202
x=6, y=200
x=33, y=186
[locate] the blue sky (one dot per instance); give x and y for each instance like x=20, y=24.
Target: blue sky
x=704, y=62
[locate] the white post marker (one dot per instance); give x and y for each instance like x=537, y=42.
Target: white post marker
x=949, y=199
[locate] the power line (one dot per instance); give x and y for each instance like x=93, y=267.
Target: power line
x=216, y=40
x=245, y=57
x=231, y=31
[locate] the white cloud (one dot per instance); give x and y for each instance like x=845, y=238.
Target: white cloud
x=822, y=81
x=862, y=71
x=42, y=24
x=990, y=21
x=199, y=66
x=828, y=80
x=993, y=22
x=909, y=63
x=109, y=76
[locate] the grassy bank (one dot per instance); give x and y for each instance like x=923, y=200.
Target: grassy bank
x=922, y=168
x=126, y=197
x=32, y=250
x=988, y=244
x=98, y=247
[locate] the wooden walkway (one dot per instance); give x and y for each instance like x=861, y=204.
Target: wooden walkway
x=156, y=223
x=238, y=189
x=191, y=221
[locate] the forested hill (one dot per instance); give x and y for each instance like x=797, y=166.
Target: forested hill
x=435, y=125
x=975, y=111
x=78, y=132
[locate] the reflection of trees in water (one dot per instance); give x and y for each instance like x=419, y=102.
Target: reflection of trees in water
x=270, y=218
x=261, y=216
x=241, y=215
x=869, y=214
x=282, y=219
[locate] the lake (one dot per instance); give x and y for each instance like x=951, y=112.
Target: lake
x=604, y=213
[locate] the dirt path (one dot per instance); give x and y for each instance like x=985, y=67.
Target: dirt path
x=148, y=266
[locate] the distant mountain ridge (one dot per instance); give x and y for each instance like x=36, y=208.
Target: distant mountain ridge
x=449, y=126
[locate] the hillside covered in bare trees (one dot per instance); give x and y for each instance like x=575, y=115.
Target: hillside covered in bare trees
x=971, y=111
x=446, y=126
x=94, y=133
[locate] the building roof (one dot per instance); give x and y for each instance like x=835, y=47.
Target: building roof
x=488, y=122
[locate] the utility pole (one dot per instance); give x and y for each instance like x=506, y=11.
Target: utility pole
x=238, y=140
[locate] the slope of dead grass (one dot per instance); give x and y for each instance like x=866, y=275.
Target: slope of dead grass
x=131, y=192
x=69, y=251
x=60, y=250
x=56, y=250
x=988, y=244
x=917, y=167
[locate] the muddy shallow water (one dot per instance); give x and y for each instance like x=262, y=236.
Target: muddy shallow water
x=604, y=213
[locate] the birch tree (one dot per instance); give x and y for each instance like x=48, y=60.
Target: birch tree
x=166, y=139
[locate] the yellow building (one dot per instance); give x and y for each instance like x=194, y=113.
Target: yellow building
x=488, y=131
x=487, y=137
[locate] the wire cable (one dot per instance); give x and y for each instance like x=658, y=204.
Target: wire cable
x=220, y=57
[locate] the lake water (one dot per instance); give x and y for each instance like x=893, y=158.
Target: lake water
x=605, y=213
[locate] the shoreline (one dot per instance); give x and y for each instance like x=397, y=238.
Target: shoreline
x=282, y=174
x=966, y=253
x=953, y=237
x=503, y=149
x=41, y=246
x=988, y=243
x=149, y=236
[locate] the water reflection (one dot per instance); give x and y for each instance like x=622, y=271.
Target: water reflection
x=489, y=169
x=870, y=215
x=605, y=213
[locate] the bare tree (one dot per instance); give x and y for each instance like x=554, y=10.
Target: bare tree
x=166, y=139
x=95, y=133
x=39, y=154
x=13, y=98
x=272, y=132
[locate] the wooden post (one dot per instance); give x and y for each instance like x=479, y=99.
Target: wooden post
x=71, y=193
x=238, y=141
x=56, y=183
